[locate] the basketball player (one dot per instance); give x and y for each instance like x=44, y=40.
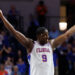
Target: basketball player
x=41, y=51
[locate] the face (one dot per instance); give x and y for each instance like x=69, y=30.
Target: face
x=20, y=59
x=16, y=69
x=19, y=52
x=9, y=49
x=9, y=59
x=43, y=37
x=2, y=67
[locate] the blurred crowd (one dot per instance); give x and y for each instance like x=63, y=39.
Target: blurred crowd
x=14, y=58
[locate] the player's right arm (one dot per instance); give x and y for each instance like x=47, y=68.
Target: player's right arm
x=26, y=42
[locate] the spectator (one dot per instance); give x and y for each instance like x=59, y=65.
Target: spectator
x=19, y=55
x=12, y=16
x=54, y=33
x=9, y=61
x=15, y=71
x=5, y=40
x=71, y=61
x=2, y=70
x=68, y=57
x=8, y=65
x=62, y=53
x=31, y=32
x=7, y=52
x=55, y=58
x=21, y=66
x=73, y=57
x=41, y=11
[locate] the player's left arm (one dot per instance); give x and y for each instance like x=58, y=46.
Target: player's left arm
x=60, y=39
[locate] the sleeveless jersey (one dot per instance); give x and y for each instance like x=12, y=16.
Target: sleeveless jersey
x=41, y=61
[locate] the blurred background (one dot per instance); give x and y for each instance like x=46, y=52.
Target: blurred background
x=26, y=16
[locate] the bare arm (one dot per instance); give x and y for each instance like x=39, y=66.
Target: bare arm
x=6, y=50
x=59, y=40
x=1, y=51
x=26, y=42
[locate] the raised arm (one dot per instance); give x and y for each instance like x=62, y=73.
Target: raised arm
x=26, y=42
x=60, y=39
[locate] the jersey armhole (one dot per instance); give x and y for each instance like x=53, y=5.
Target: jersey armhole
x=51, y=42
x=30, y=51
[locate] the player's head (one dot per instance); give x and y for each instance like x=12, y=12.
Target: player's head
x=42, y=35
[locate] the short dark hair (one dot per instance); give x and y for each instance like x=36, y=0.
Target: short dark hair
x=40, y=30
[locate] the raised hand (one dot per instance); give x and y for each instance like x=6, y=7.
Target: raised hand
x=1, y=13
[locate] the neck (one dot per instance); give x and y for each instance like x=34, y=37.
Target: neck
x=41, y=43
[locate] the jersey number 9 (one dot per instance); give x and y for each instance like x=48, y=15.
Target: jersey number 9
x=44, y=58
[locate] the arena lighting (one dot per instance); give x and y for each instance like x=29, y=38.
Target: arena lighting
x=62, y=26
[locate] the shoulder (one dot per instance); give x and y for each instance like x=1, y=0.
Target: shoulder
x=31, y=46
